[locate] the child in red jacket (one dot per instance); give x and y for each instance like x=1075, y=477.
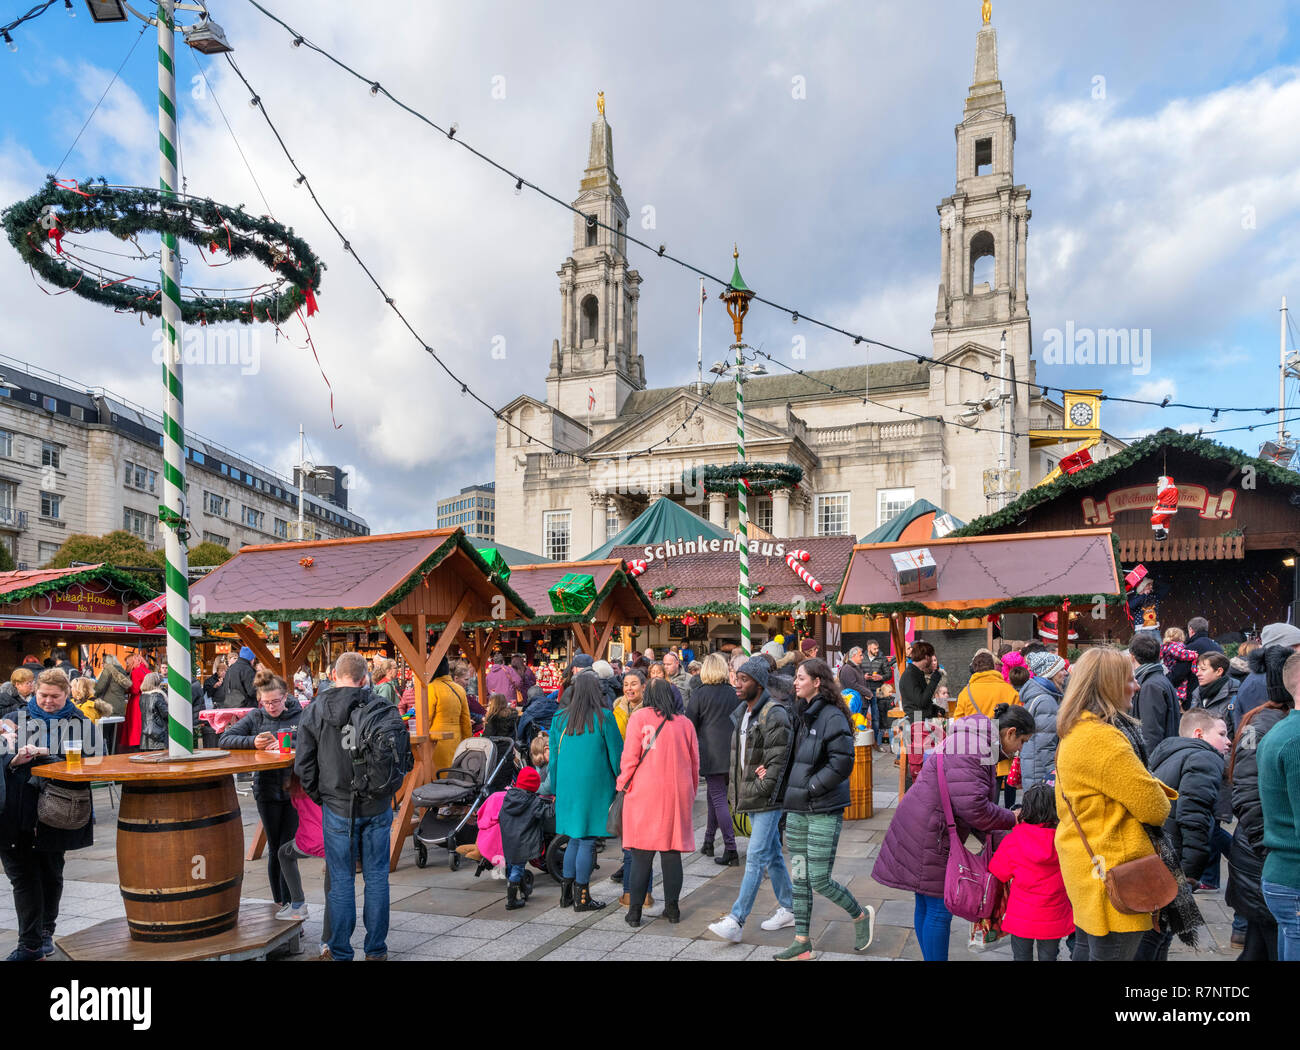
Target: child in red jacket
x=1038, y=909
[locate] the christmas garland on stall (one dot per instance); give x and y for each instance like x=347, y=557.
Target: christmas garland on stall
x=760, y=478
x=63, y=207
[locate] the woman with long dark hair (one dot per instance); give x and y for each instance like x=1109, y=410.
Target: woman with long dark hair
x=660, y=773
x=816, y=795
x=586, y=749
x=1245, y=893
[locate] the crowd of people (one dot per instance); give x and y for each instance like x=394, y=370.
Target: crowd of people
x=1062, y=771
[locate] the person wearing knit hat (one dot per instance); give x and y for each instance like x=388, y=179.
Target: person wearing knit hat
x=1041, y=697
x=760, y=753
x=521, y=818
x=1254, y=689
x=809, y=648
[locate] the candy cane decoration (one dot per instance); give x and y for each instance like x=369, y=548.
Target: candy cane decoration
x=801, y=572
x=636, y=568
x=800, y=555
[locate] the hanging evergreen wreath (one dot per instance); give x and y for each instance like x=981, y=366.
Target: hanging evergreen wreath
x=63, y=207
x=762, y=478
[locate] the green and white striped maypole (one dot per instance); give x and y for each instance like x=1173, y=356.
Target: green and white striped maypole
x=172, y=514
x=737, y=298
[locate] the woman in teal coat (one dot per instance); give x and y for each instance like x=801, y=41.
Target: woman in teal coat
x=586, y=750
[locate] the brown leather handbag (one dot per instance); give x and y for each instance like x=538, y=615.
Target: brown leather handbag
x=1136, y=887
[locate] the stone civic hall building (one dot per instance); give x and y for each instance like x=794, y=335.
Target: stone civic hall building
x=862, y=463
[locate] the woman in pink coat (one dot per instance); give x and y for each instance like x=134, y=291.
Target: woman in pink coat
x=1038, y=907
x=660, y=774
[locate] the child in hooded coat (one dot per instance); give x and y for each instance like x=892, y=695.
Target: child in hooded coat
x=521, y=818
x=1038, y=908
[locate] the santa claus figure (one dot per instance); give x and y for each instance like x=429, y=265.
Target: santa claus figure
x=1166, y=506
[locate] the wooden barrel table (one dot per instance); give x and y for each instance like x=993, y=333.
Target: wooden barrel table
x=180, y=839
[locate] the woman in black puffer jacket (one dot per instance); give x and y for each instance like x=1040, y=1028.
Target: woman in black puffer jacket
x=258, y=730
x=1245, y=895
x=816, y=794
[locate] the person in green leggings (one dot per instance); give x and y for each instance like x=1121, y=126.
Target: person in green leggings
x=816, y=795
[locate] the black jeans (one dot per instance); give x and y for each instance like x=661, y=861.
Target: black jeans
x=280, y=821
x=1113, y=947
x=1022, y=949
x=37, y=880
x=637, y=881
x=1154, y=947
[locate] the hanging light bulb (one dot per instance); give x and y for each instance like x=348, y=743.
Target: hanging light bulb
x=9, y=43
x=298, y=182
x=451, y=134
x=374, y=89
x=255, y=101
x=67, y=5
x=519, y=187
x=297, y=41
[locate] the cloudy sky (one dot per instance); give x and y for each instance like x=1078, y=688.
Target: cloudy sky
x=1158, y=141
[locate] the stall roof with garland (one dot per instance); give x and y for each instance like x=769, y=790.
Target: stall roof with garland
x=533, y=583
x=29, y=583
x=986, y=575
x=354, y=579
x=1163, y=442
x=705, y=584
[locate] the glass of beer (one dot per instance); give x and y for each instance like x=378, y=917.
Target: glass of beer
x=72, y=754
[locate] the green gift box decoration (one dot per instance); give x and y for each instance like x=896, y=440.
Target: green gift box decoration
x=573, y=593
x=496, y=563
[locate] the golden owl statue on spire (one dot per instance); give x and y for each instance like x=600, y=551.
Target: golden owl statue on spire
x=600, y=97
x=987, y=11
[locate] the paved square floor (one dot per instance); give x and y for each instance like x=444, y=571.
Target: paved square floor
x=440, y=914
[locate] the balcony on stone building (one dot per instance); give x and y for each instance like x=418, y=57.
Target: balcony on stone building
x=13, y=520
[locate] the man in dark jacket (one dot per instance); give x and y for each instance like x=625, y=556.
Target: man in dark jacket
x=1192, y=764
x=15, y=693
x=851, y=675
x=919, y=681
x=1198, y=636
x=760, y=755
x=239, y=681
x=351, y=826
x=1156, y=704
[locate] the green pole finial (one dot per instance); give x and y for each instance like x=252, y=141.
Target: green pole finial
x=737, y=282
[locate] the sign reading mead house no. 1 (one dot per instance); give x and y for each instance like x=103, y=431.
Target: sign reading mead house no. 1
x=1143, y=498
x=93, y=599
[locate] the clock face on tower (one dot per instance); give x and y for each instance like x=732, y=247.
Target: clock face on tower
x=1081, y=414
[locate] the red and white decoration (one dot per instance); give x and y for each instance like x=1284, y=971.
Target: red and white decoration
x=1166, y=506
x=636, y=568
x=793, y=559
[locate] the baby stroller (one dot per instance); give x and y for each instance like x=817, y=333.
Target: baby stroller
x=480, y=766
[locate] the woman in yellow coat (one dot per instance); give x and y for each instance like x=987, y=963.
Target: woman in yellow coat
x=448, y=713
x=1112, y=794
x=982, y=694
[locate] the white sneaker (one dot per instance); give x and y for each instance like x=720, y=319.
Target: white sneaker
x=289, y=913
x=781, y=918
x=729, y=929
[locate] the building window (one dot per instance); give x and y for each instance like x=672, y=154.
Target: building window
x=983, y=156
x=592, y=231
x=51, y=504
x=6, y=442
x=555, y=539
x=982, y=262
x=141, y=477
x=50, y=454
x=219, y=540
x=51, y=405
x=763, y=513
x=281, y=528
x=253, y=517
x=590, y=318
x=45, y=553
x=890, y=503
x=216, y=505
x=833, y=514
x=139, y=523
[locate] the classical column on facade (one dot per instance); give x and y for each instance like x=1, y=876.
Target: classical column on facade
x=1005, y=253
x=718, y=509
x=1022, y=227
x=781, y=513
x=961, y=252
x=599, y=501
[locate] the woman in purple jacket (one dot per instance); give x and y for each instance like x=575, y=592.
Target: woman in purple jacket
x=914, y=855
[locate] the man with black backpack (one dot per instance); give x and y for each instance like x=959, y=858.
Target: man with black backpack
x=353, y=753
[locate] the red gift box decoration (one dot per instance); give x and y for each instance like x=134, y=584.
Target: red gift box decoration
x=1076, y=461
